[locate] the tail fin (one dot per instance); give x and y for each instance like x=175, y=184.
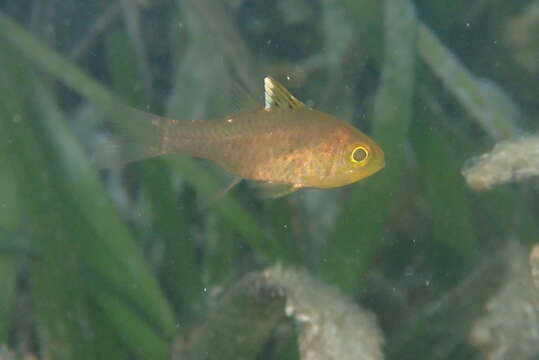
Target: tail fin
x=136, y=135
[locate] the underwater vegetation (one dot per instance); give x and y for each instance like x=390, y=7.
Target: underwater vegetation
x=433, y=256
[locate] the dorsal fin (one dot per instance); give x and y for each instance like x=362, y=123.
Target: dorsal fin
x=277, y=96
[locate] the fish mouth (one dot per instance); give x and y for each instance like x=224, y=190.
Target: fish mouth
x=377, y=169
x=379, y=164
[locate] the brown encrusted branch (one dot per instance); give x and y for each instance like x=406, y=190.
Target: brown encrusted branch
x=244, y=319
x=330, y=326
x=513, y=160
x=510, y=327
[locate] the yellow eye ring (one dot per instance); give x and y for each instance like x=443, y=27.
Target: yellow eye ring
x=360, y=155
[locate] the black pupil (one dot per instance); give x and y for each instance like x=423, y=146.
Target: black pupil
x=360, y=155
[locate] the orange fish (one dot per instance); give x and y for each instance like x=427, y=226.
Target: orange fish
x=285, y=146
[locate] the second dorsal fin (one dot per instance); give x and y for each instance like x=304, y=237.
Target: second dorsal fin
x=276, y=96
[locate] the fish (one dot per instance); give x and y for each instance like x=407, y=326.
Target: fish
x=284, y=146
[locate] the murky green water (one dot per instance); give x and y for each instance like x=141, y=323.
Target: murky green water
x=151, y=261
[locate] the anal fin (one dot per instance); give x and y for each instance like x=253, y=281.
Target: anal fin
x=272, y=190
x=208, y=202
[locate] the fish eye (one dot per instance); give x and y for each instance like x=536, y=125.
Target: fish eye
x=359, y=155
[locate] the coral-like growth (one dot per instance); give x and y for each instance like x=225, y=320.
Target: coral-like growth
x=331, y=326
x=510, y=330
x=509, y=161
